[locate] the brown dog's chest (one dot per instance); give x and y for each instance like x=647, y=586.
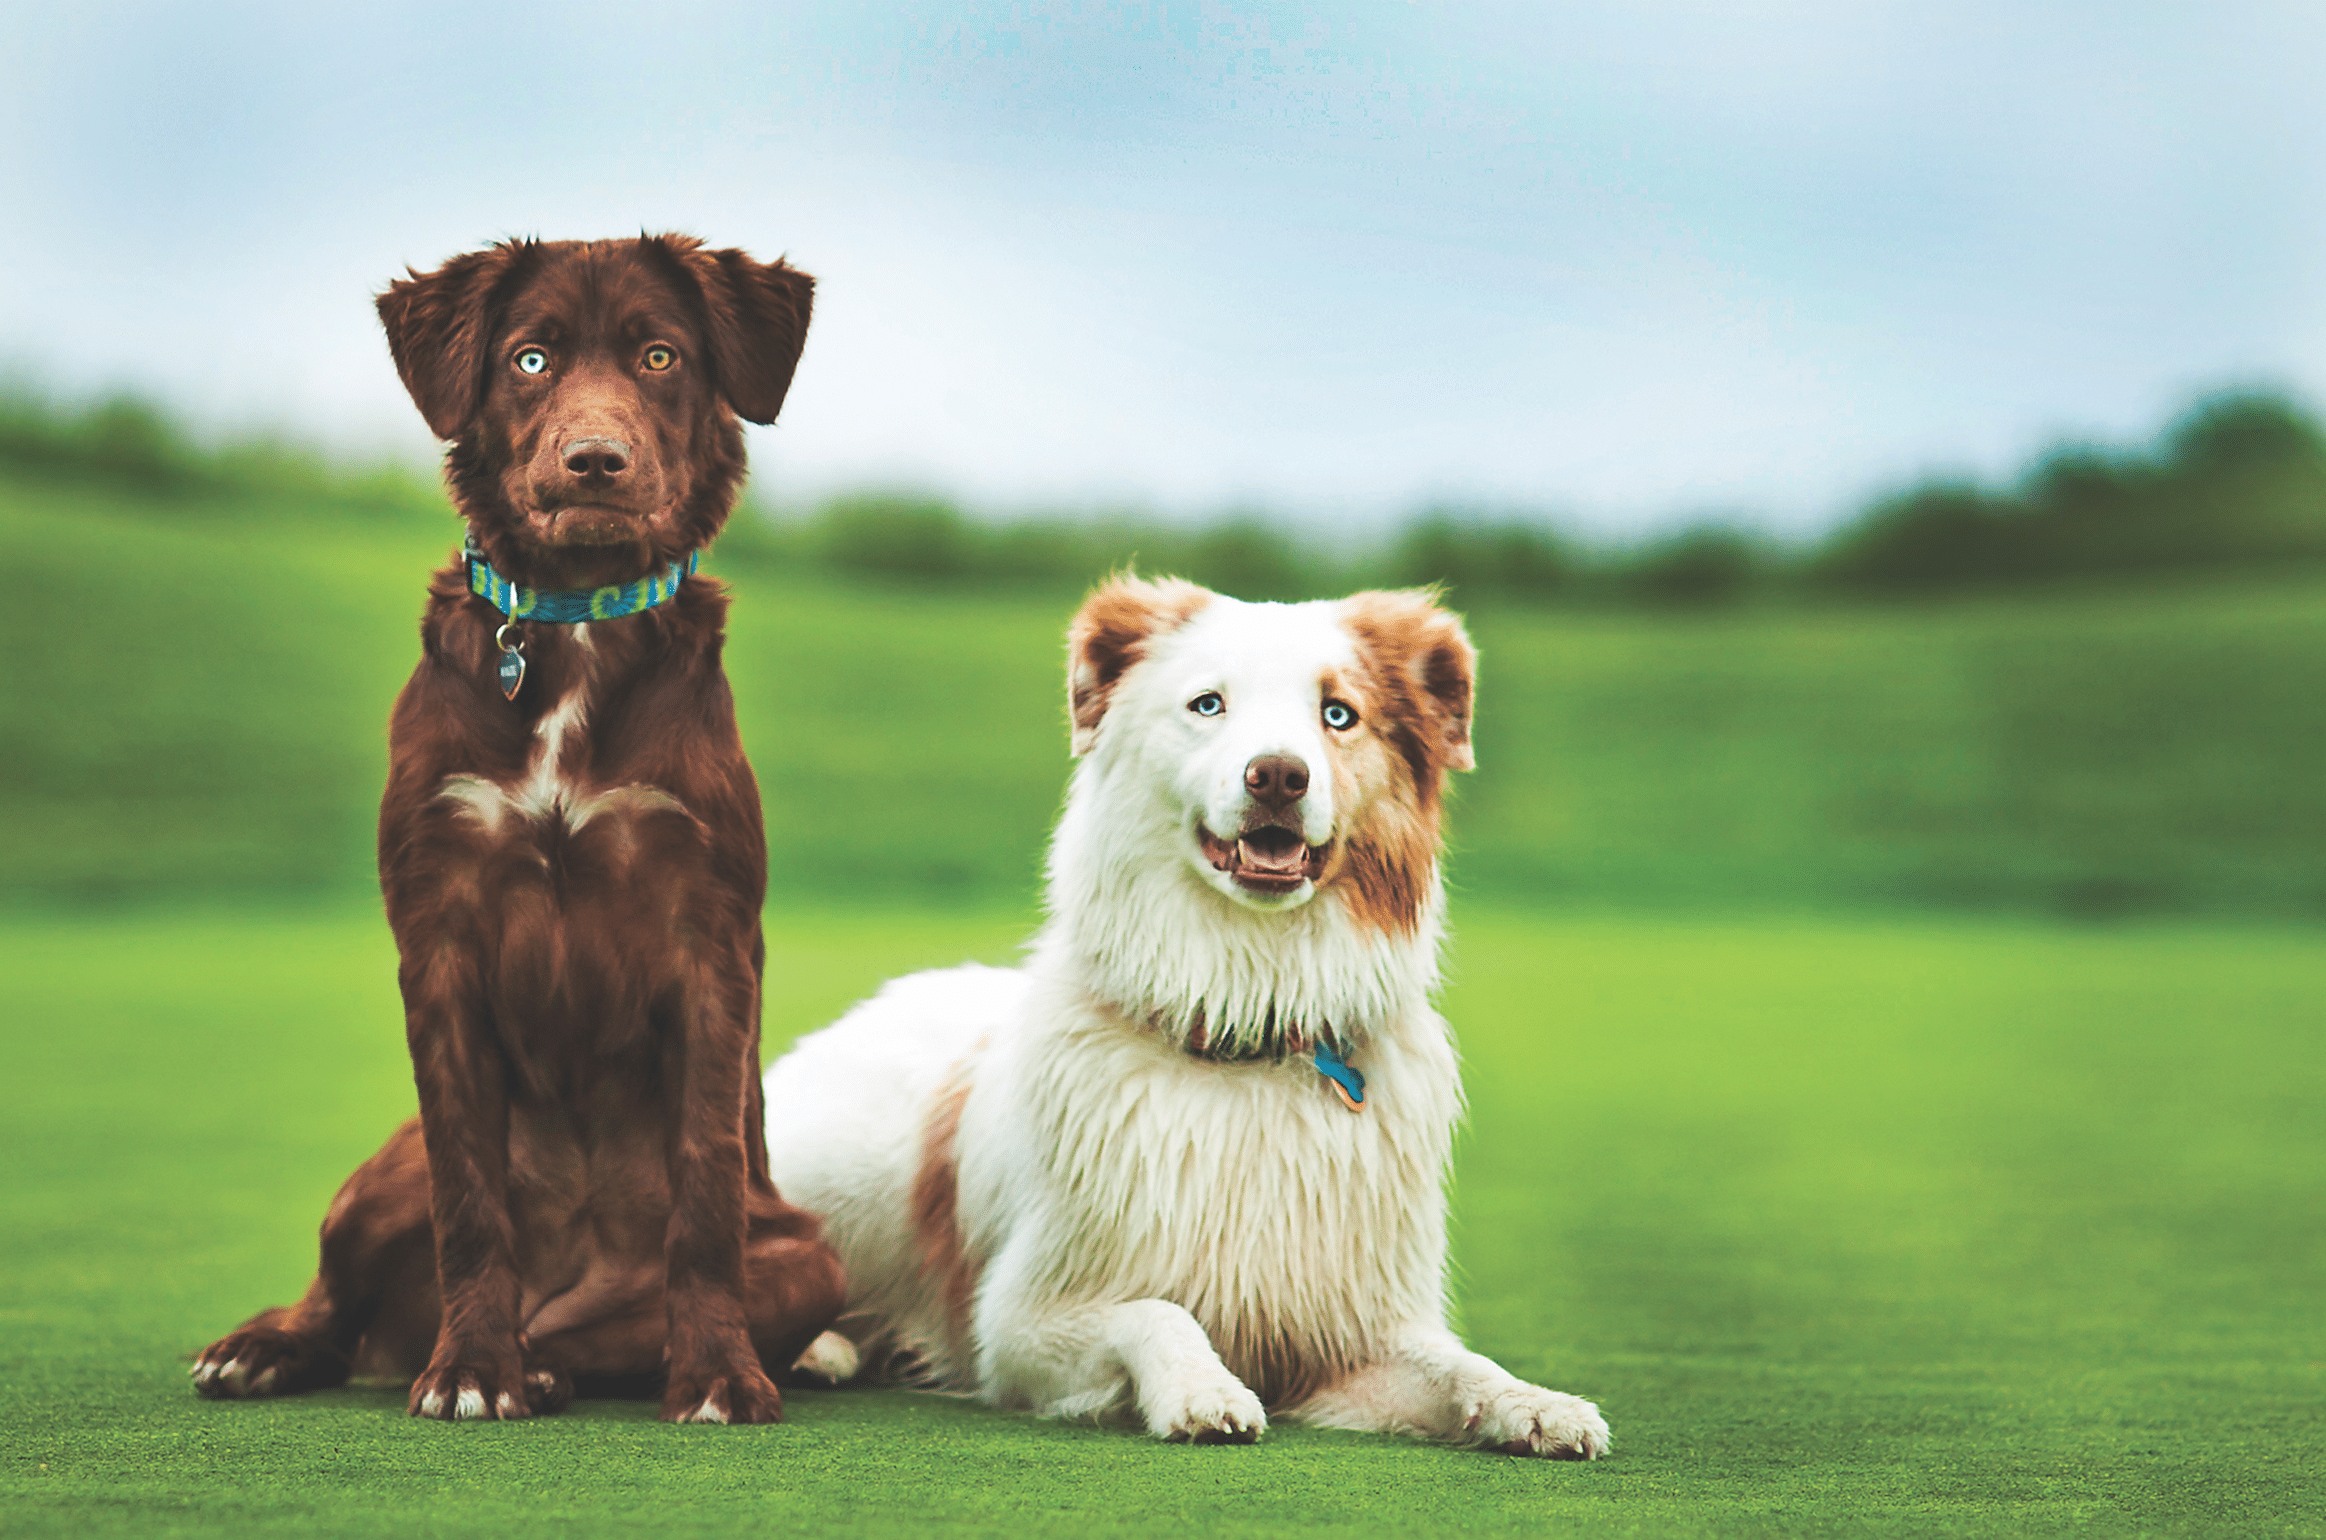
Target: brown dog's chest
x=579, y=881
x=574, y=856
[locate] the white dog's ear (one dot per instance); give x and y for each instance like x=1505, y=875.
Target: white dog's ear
x=1423, y=662
x=1110, y=633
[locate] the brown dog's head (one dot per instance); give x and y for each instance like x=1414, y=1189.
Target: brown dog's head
x=591, y=388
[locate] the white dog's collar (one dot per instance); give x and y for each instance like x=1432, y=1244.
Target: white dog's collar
x=1347, y=1081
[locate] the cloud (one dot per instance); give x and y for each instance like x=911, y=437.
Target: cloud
x=1629, y=261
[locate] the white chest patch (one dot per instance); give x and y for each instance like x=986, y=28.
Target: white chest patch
x=547, y=791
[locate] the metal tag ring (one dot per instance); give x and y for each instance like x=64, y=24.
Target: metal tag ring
x=501, y=637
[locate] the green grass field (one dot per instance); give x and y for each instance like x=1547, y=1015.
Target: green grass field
x=1852, y=1227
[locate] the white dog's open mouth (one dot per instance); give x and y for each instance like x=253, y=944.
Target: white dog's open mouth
x=1269, y=859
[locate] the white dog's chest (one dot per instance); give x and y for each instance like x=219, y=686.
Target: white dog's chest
x=1293, y=1229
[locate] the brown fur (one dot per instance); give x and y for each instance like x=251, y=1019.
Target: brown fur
x=1111, y=632
x=936, y=1205
x=585, y=1195
x=1417, y=674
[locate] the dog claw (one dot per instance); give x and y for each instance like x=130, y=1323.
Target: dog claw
x=736, y=1398
x=264, y=1361
x=467, y=1395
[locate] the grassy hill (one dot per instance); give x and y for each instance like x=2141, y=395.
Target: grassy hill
x=199, y=675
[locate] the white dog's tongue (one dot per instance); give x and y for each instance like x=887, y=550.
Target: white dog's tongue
x=1280, y=855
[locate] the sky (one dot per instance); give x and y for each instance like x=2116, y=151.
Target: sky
x=1629, y=264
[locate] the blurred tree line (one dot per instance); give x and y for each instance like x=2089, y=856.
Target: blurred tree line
x=126, y=444
x=2237, y=481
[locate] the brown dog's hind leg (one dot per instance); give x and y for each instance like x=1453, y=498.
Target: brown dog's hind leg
x=793, y=1290
x=376, y=1249
x=278, y=1352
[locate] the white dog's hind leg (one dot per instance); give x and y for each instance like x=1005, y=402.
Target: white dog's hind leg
x=831, y=1358
x=1433, y=1386
x=1087, y=1360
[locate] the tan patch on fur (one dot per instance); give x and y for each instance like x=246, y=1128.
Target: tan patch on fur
x=936, y=1206
x=1110, y=633
x=1418, y=672
x=1388, y=864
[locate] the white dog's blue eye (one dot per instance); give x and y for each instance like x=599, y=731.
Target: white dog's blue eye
x=532, y=360
x=1208, y=704
x=1340, y=714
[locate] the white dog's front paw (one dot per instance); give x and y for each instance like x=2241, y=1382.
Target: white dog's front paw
x=1216, y=1409
x=1518, y=1418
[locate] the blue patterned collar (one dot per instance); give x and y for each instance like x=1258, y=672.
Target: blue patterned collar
x=570, y=606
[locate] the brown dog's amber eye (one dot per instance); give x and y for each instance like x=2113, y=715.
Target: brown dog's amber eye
x=659, y=358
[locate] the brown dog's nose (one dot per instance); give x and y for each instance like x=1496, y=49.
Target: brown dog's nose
x=1276, y=780
x=597, y=457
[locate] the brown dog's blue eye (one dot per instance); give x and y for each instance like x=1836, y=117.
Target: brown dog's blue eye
x=1340, y=714
x=659, y=358
x=1208, y=704
x=532, y=361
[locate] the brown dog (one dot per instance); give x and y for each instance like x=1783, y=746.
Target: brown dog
x=573, y=861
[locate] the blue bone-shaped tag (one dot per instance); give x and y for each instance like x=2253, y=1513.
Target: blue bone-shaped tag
x=1347, y=1083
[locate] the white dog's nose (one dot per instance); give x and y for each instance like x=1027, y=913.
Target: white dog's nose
x=1276, y=781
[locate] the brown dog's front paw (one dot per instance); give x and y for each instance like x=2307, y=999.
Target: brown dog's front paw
x=460, y=1392
x=740, y=1393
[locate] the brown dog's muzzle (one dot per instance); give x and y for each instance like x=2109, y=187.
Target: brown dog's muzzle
x=594, y=486
x=597, y=461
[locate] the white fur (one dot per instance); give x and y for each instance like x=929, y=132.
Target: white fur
x=1150, y=1229
x=546, y=791
x=831, y=1358
x=543, y=791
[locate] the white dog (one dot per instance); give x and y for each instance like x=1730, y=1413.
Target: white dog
x=1188, y=1163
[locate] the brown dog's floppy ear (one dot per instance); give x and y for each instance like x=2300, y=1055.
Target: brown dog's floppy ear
x=1110, y=633
x=438, y=326
x=1423, y=660
x=758, y=314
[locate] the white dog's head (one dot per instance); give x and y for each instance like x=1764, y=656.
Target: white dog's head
x=1298, y=748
